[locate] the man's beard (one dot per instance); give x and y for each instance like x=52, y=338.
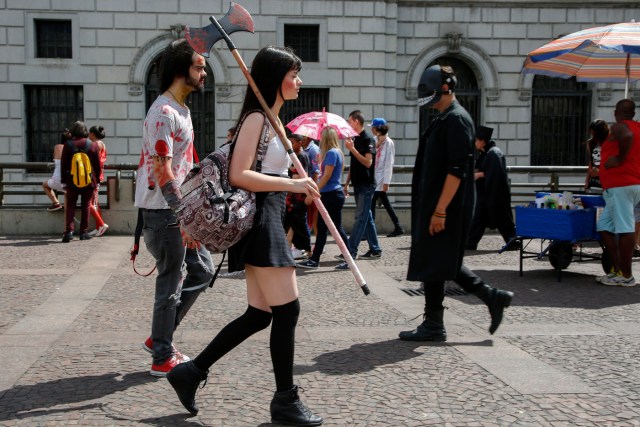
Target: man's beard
x=195, y=84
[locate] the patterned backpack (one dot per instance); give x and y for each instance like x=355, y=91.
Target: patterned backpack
x=211, y=210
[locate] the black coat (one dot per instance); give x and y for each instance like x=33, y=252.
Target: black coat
x=493, y=195
x=445, y=148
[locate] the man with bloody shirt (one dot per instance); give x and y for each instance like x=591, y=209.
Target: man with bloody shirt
x=620, y=179
x=184, y=266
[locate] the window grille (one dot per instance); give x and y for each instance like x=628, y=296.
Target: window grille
x=309, y=99
x=53, y=39
x=201, y=106
x=467, y=92
x=49, y=110
x=561, y=109
x=304, y=40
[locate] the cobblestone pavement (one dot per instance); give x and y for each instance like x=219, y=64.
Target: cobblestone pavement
x=73, y=316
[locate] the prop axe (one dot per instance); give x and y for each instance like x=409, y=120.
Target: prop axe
x=202, y=40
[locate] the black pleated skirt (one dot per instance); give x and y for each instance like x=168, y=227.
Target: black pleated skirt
x=266, y=244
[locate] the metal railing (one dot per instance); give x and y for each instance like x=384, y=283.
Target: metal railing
x=15, y=188
x=525, y=181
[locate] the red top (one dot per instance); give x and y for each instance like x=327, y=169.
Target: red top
x=628, y=173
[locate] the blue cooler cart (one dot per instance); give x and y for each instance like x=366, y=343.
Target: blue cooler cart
x=565, y=230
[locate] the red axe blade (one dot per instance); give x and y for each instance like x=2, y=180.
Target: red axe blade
x=203, y=39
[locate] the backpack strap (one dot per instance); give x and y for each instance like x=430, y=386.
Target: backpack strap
x=263, y=142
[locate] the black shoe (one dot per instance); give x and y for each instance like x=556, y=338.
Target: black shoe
x=67, y=236
x=471, y=247
x=85, y=236
x=288, y=409
x=339, y=257
x=185, y=379
x=308, y=263
x=496, y=300
x=398, y=231
x=371, y=255
x=432, y=329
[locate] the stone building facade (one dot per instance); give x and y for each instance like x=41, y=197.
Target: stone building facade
x=370, y=57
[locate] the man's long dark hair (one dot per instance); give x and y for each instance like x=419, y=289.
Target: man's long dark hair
x=176, y=61
x=268, y=70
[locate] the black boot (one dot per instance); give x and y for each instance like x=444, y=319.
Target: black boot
x=397, y=231
x=431, y=329
x=185, y=379
x=496, y=300
x=288, y=409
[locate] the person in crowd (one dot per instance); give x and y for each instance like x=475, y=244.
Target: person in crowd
x=442, y=201
x=493, y=194
x=599, y=131
x=231, y=132
x=78, y=142
x=620, y=179
x=272, y=291
x=383, y=165
x=313, y=152
x=298, y=233
x=96, y=135
x=54, y=184
x=166, y=158
x=362, y=175
x=331, y=192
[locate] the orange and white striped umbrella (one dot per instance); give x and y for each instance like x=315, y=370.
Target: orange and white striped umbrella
x=602, y=54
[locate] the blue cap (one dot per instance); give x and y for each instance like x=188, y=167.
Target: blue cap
x=378, y=121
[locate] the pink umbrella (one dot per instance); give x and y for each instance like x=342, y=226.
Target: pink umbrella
x=311, y=125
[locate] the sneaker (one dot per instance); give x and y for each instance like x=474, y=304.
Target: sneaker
x=298, y=253
x=55, y=207
x=147, y=346
x=608, y=276
x=85, y=236
x=99, y=231
x=342, y=266
x=162, y=369
x=371, y=255
x=308, y=263
x=339, y=257
x=619, y=280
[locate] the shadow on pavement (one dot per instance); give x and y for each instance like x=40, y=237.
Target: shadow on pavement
x=28, y=241
x=176, y=420
x=365, y=357
x=540, y=288
x=25, y=401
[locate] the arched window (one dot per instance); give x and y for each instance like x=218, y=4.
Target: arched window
x=560, y=114
x=467, y=91
x=201, y=105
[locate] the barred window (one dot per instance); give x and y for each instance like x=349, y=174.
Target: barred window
x=560, y=111
x=467, y=91
x=49, y=110
x=53, y=38
x=304, y=40
x=309, y=99
x=201, y=105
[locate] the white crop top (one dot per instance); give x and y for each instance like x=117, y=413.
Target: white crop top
x=276, y=161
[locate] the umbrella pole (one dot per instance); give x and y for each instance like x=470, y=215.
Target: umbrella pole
x=285, y=141
x=628, y=70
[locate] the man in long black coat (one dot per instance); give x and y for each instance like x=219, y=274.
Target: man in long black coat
x=442, y=201
x=493, y=195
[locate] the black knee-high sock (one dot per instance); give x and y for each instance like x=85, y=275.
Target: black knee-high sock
x=282, y=343
x=433, y=295
x=252, y=321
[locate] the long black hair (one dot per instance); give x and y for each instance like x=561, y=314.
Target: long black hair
x=176, y=61
x=268, y=70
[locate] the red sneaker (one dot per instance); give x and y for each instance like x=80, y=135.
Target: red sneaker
x=147, y=346
x=161, y=370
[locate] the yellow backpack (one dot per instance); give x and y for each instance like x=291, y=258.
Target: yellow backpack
x=81, y=165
